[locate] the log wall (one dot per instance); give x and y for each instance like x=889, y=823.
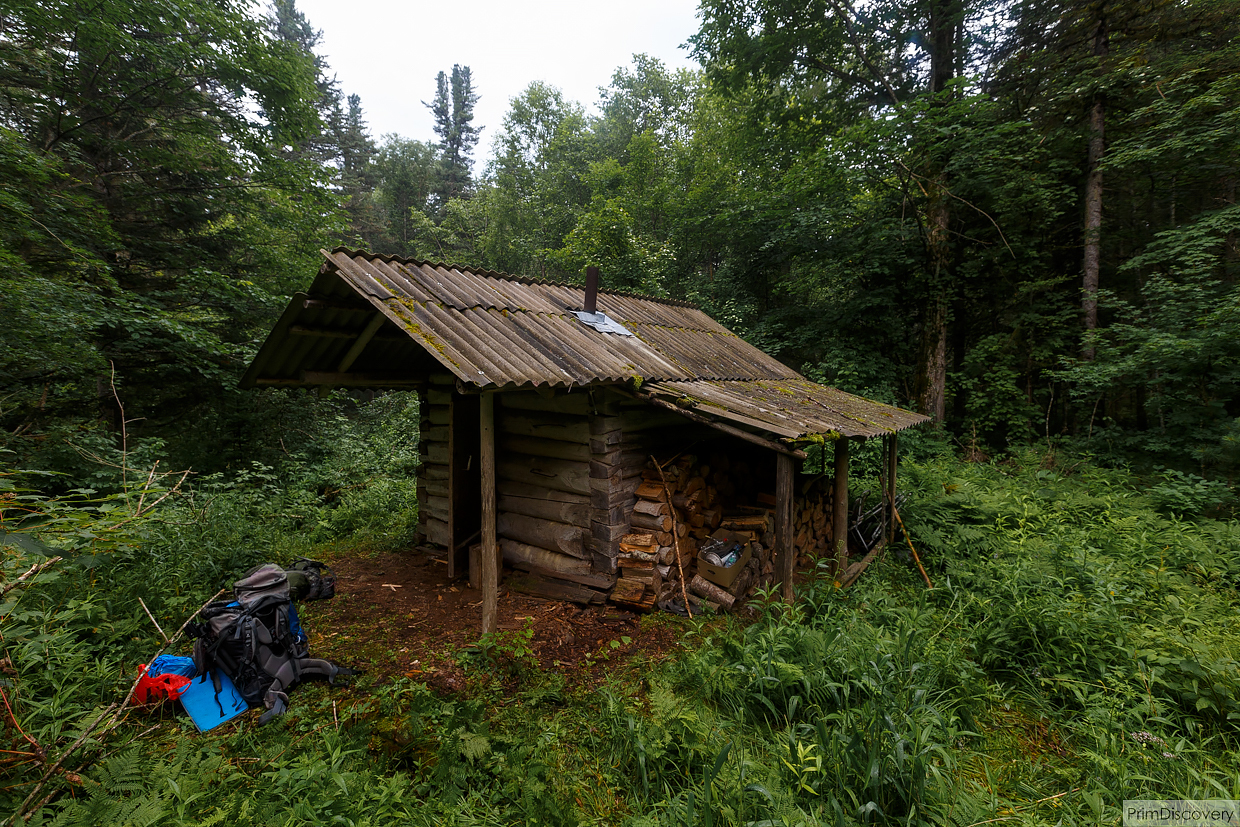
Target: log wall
x=433, y=477
x=543, y=483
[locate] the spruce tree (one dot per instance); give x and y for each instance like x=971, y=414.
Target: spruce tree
x=453, y=109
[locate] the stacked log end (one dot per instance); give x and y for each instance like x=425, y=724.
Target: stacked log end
x=674, y=513
x=811, y=526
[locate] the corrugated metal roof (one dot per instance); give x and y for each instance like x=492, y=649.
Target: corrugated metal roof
x=496, y=331
x=791, y=409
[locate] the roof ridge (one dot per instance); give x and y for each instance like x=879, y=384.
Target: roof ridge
x=388, y=258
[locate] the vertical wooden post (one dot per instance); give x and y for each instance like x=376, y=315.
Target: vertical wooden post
x=839, y=516
x=892, y=454
x=785, y=474
x=490, y=574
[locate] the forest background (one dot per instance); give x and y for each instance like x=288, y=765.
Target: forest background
x=1019, y=217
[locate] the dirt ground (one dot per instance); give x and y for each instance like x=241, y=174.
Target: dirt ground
x=398, y=614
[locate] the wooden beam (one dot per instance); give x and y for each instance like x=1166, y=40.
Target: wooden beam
x=332, y=304
x=490, y=545
x=839, y=516
x=364, y=339
x=338, y=333
x=785, y=475
x=321, y=332
x=267, y=382
x=322, y=377
x=727, y=429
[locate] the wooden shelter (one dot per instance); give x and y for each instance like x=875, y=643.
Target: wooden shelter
x=543, y=403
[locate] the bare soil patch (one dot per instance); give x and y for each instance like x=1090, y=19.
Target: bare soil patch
x=398, y=614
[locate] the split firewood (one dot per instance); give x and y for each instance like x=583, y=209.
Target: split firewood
x=651, y=491
x=651, y=509
x=700, y=586
x=660, y=523
x=628, y=590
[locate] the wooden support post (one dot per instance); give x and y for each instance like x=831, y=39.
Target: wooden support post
x=892, y=455
x=490, y=544
x=785, y=472
x=839, y=516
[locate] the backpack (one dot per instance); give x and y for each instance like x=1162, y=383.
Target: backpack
x=256, y=639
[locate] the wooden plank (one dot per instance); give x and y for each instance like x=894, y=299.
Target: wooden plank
x=555, y=589
x=539, y=447
x=436, y=452
x=438, y=396
x=438, y=433
x=785, y=479
x=490, y=574
x=538, y=492
x=438, y=414
x=557, y=474
x=433, y=488
x=525, y=555
x=547, y=426
x=433, y=471
x=561, y=537
x=577, y=514
x=576, y=403
x=437, y=531
x=436, y=507
x=594, y=580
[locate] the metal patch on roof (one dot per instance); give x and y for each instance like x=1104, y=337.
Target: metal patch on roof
x=602, y=322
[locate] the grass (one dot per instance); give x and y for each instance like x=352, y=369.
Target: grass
x=1080, y=647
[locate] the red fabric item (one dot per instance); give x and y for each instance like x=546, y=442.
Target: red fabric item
x=153, y=689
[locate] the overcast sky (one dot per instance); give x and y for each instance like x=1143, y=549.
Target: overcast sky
x=389, y=51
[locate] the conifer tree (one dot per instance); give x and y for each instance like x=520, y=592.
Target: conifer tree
x=453, y=109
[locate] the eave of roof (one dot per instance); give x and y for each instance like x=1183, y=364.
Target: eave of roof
x=797, y=411
x=499, y=332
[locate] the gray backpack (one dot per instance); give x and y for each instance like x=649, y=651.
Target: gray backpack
x=256, y=638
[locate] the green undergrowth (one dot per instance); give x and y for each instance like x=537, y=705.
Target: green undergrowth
x=1079, y=647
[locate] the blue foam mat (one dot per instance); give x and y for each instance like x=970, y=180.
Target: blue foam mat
x=199, y=700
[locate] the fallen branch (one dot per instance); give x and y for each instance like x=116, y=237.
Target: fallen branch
x=115, y=709
x=909, y=540
x=162, y=633
x=31, y=572
x=675, y=536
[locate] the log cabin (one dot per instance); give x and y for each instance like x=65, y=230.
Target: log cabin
x=542, y=404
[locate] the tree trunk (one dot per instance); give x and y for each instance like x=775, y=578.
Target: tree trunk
x=946, y=26
x=932, y=361
x=1093, y=203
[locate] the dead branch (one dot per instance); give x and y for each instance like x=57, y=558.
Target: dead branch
x=31, y=572
x=115, y=709
x=675, y=536
x=162, y=633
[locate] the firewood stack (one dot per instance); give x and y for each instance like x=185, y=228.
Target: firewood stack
x=666, y=536
x=812, y=521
